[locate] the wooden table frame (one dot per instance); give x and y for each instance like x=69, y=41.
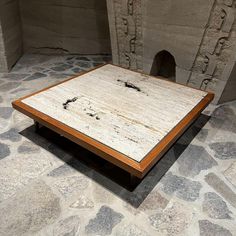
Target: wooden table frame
x=138, y=169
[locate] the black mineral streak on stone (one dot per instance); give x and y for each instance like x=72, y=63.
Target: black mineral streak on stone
x=116, y=130
x=91, y=114
x=132, y=140
x=130, y=85
x=94, y=115
x=65, y=105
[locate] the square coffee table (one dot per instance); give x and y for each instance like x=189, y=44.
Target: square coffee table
x=128, y=118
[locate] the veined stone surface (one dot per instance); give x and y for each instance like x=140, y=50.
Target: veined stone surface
x=127, y=111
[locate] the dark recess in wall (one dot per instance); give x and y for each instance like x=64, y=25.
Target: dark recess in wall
x=164, y=65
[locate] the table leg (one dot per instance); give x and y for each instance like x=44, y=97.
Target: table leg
x=36, y=126
x=134, y=181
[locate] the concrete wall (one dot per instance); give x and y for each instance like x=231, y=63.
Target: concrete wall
x=199, y=34
x=66, y=26
x=174, y=26
x=215, y=60
x=3, y=62
x=10, y=34
x=125, y=22
x=229, y=92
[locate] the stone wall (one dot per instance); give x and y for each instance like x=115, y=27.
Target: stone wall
x=126, y=32
x=3, y=62
x=65, y=26
x=215, y=60
x=229, y=92
x=174, y=26
x=10, y=34
x=200, y=35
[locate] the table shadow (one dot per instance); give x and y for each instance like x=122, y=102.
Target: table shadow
x=106, y=174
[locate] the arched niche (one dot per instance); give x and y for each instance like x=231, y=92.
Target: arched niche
x=164, y=65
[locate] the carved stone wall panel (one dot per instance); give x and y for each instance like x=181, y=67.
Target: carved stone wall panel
x=213, y=53
x=210, y=64
x=228, y=3
x=227, y=26
x=225, y=57
x=129, y=32
x=10, y=34
x=203, y=45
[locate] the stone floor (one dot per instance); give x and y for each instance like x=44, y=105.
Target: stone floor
x=50, y=186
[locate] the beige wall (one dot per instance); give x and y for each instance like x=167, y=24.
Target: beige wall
x=3, y=62
x=66, y=26
x=199, y=34
x=10, y=34
x=175, y=26
x=229, y=92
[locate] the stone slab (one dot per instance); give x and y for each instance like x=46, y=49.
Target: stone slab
x=125, y=110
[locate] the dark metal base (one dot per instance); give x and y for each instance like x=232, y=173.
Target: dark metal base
x=37, y=126
x=134, y=182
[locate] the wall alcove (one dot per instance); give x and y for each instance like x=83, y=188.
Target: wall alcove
x=164, y=65
x=52, y=27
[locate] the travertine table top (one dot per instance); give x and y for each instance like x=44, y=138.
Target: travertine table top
x=125, y=110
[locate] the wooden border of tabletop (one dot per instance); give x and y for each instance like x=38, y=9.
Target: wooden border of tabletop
x=138, y=169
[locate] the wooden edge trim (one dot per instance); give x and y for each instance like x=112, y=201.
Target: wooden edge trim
x=158, y=151
x=81, y=139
